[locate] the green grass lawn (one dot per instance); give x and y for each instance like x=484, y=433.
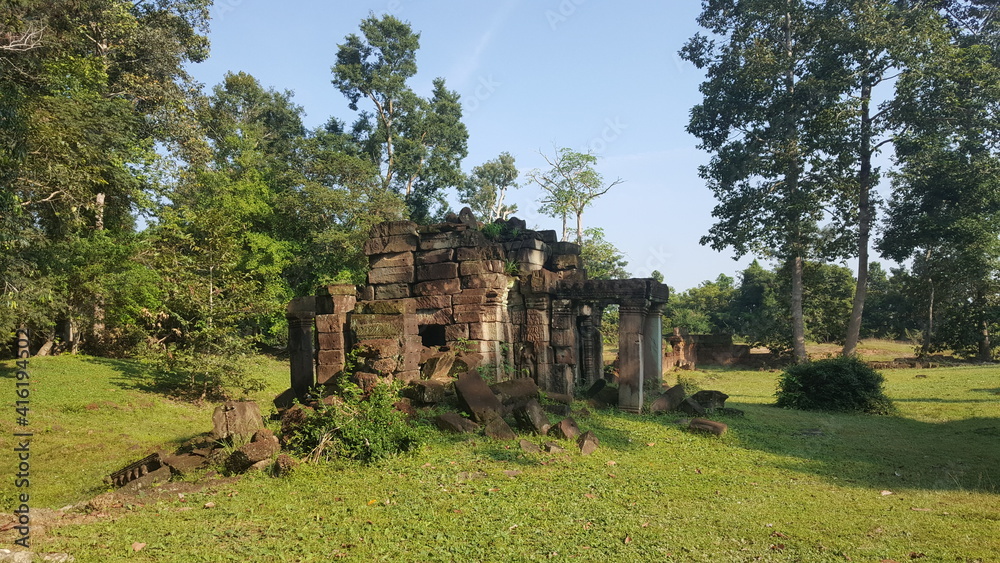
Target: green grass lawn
x=781, y=485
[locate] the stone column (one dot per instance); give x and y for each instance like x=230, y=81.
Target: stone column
x=301, y=315
x=630, y=356
x=652, y=346
x=592, y=361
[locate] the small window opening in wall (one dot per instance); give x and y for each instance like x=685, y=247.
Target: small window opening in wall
x=431, y=335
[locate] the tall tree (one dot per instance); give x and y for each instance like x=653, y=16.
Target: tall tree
x=416, y=143
x=601, y=258
x=486, y=188
x=571, y=185
x=757, y=120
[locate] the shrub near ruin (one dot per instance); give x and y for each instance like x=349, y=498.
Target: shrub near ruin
x=836, y=384
x=363, y=428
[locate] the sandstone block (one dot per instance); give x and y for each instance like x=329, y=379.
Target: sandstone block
x=393, y=274
x=367, y=327
x=390, y=291
x=565, y=262
x=438, y=287
x=440, y=271
x=434, y=316
x=710, y=400
x=382, y=347
x=390, y=244
x=386, y=307
x=565, y=356
x=563, y=338
x=477, y=314
x=456, y=332
x=393, y=260
x=565, y=429
x=488, y=331
x=453, y=422
x=385, y=365
x=326, y=374
x=498, y=429
x=478, y=267
x=710, y=426
x=529, y=447
x=588, y=443
x=330, y=358
x=690, y=406
x=477, y=398
x=428, y=392
x=487, y=281
x=532, y=418
x=668, y=400
x=254, y=452
x=565, y=248
x=434, y=256
x=433, y=301
x=331, y=341
x=330, y=323
x=236, y=418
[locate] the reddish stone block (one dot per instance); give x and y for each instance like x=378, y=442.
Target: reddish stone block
x=565, y=356
x=343, y=303
x=433, y=302
x=331, y=341
x=491, y=252
x=434, y=316
x=456, y=332
x=565, y=262
x=477, y=313
x=537, y=317
x=434, y=256
x=386, y=307
x=488, y=281
x=326, y=373
x=536, y=333
x=330, y=323
x=437, y=287
x=391, y=228
x=440, y=271
x=394, y=260
x=488, y=331
x=564, y=338
x=330, y=358
x=395, y=274
x=390, y=291
x=385, y=365
x=478, y=267
x=367, y=327
x=390, y=244
x=383, y=347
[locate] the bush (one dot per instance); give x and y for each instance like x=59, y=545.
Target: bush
x=362, y=428
x=836, y=384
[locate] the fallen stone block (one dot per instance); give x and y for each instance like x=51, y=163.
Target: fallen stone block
x=499, y=430
x=531, y=418
x=529, y=447
x=691, y=407
x=476, y=397
x=426, y=392
x=710, y=426
x=565, y=429
x=515, y=391
x=553, y=448
x=588, y=442
x=454, y=422
x=710, y=400
x=236, y=418
x=249, y=454
x=668, y=400
x=185, y=464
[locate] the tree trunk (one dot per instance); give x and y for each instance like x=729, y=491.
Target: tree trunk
x=930, y=323
x=864, y=223
x=98, y=327
x=564, y=230
x=798, y=320
x=579, y=227
x=985, y=352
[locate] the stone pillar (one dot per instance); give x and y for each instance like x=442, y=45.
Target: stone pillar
x=301, y=315
x=591, y=352
x=652, y=346
x=630, y=356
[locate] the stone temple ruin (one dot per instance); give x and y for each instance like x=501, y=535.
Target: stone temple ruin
x=500, y=299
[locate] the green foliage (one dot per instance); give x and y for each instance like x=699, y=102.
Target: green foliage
x=486, y=188
x=571, y=185
x=493, y=231
x=208, y=364
x=601, y=258
x=358, y=427
x=704, y=309
x=842, y=384
x=511, y=267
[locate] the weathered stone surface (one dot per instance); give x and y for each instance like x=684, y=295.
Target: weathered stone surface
x=488, y=331
x=479, y=267
x=386, y=307
x=668, y=400
x=330, y=323
x=392, y=228
x=382, y=347
x=161, y=475
x=453, y=422
x=394, y=274
x=487, y=281
x=565, y=356
x=606, y=397
x=284, y=464
x=441, y=317
x=588, y=442
x=480, y=296
x=440, y=271
x=564, y=248
x=553, y=448
x=396, y=259
x=595, y=388
x=390, y=291
x=292, y=418
x=498, y=429
x=456, y=332
x=537, y=333
x=184, y=464
x=384, y=365
x=491, y=252
x=454, y=239
x=236, y=418
x=710, y=400
x=332, y=341
x=515, y=391
x=563, y=338
x=367, y=327
x=438, y=366
x=529, y=447
x=565, y=429
x=330, y=357
x=690, y=406
x=405, y=406
x=476, y=397
x=285, y=399
x=559, y=397
x=710, y=426
x=249, y=454
x=434, y=256
x=565, y=262
x=390, y=244
x=427, y=392
x=531, y=418
x=433, y=301
x=438, y=287
x=326, y=374
x=477, y=314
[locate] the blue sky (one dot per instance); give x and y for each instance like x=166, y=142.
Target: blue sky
x=583, y=74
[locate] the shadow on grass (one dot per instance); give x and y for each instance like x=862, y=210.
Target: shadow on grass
x=132, y=375
x=880, y=452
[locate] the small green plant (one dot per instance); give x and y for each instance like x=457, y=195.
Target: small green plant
x=363, y=428
x=511, y=268
x=462, y=346
x=843, y=384
x=493, y=231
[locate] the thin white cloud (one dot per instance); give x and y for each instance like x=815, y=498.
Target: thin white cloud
x=463, y=72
